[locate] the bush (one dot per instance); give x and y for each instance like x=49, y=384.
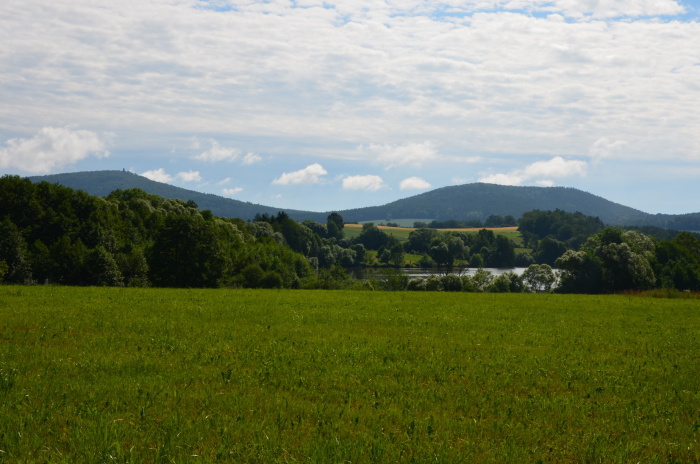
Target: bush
x=416, y=285
x=272, y=279
x=252, y=275
x=433, y=284
x=451, y=283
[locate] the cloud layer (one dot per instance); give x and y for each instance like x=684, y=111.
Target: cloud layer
x=414, y=89
x=51, y=148
x=400, y=78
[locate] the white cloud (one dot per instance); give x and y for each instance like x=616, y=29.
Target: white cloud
x=618, y=8
x=309, y=175
x=232, y=191
x=514, y=178
x=492, y=80
x=189, y=176
x=224, y=181
x=251, y=158
x=605, y=148
x=370, y=183
x=556, y=167
x=414, y=183
x=541, y=172
x=216, y=152
x=51, y=148
x=409, y=154
x=158, y=175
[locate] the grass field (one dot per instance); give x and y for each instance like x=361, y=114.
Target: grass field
x=175, y=376
x=401, y=233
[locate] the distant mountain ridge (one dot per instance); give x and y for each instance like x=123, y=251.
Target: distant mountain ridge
x=460, y=202
x=102, y=183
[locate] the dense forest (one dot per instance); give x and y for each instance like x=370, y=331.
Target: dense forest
x=51, y=234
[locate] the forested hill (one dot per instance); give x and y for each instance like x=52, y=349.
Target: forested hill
x=478, y=201
x=461, y=202
x=102, y=183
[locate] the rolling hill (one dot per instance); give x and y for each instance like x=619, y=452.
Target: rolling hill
x=460, y=202
x=102, y=183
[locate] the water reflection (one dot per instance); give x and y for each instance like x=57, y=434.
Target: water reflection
x=374, y=273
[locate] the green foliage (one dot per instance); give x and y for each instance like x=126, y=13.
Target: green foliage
x=581, y=272
x=571, y=229
x=548, y=250
x=3, y=270
x=677, y=262
x=373, y=238
x=187, y=252
x=540, y=278
x=523, y=259
x=13, y=252
x=420, y=240
x=393, y=280
x=133, y=375
x=503, y=253
x=609, y=261
x=102, y=268
x=335, y=225
x=137, y=239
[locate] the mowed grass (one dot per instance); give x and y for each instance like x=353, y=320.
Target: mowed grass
x=176, y=376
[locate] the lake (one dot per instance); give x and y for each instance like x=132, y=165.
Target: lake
x=378, y=273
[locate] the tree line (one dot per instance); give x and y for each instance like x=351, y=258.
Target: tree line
x=57, y=235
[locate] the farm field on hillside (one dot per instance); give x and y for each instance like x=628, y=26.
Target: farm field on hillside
x=159, y=375
x=401, y=233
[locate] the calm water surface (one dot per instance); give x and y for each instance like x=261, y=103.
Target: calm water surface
x=371, y=273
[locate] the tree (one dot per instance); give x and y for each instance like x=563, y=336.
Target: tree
x=14, y=253
x=373, y=238
x=360, y=252
x=625, y=258
x=503, y=253
x=396, y=255
x=609, y=261
x=187, y=253
x=580, y=272
x=335, y=226
x=419, y=240
x=102, y=268
x=508, y=282
x=548, y=250
x=446, y=249
x=523, y=259
x=3, y=271
x=677, y=262
x=540, y=278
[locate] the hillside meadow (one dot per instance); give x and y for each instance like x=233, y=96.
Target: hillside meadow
x=191, y=376
x=401, y=233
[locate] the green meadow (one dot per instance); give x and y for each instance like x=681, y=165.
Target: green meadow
x=352, y=231
x=122, y=375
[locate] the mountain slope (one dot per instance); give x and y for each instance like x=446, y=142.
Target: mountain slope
x=478, y=201
x=102, y=183
x=460, y=202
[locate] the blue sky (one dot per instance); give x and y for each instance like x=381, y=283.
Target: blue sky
x=323, y=105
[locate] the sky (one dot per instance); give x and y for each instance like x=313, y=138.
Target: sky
x=330, y=105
